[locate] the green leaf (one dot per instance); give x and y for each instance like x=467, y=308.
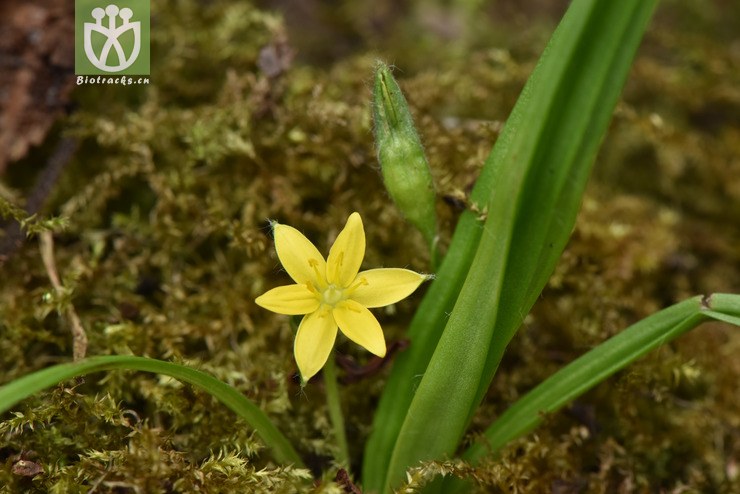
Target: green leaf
x=532, y=184
x=598, y=364
x=22, y=388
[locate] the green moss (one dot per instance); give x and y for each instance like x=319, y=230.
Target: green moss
x=167, y=244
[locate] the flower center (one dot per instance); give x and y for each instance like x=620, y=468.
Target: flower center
x=332, y=295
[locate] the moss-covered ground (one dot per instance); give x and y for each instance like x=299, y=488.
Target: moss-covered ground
x=253, y=116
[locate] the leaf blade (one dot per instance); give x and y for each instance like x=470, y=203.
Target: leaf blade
x=21, y=388
x=533, y=134
x=601, y=362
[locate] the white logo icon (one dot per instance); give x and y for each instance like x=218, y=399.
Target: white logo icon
x=112, y=33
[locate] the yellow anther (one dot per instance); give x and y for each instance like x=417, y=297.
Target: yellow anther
x=360, y=282
x=319, y=275
x=334, y=266
x=313, y=289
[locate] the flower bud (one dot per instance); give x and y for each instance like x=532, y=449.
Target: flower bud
x=402, y=162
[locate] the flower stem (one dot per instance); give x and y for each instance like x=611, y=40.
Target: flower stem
x=335, y=411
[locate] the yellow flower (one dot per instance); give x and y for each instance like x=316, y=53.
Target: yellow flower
x=333, y=293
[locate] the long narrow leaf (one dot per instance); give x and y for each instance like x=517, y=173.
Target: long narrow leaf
x=19, y=389
x=596, y=365
x=539, y=167
x=575, y=125
x=424, y=333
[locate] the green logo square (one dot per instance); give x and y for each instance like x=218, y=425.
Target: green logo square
x=111, y=37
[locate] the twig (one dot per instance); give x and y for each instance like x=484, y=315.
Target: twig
x=79, y=337
x=49, y=175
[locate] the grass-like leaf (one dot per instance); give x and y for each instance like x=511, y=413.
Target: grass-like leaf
x=19, y=389
x=532, y=185
x=598, y=364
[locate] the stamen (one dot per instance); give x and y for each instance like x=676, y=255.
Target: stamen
x=319, y=275
x=313, y=289
x=334, y=267
x=315, y=265
x=360, y=282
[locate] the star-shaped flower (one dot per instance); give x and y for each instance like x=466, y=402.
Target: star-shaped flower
x=334, y=293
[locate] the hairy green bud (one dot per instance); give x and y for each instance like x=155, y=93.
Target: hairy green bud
x=402, y=161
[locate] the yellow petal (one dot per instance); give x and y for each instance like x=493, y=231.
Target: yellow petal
x=360, y=326
x=347, y=252
x=300, y=258
x=290, y=300
x=313, y=342
x=380, y=287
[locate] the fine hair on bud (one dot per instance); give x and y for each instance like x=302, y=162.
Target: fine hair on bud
x=401, y=156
